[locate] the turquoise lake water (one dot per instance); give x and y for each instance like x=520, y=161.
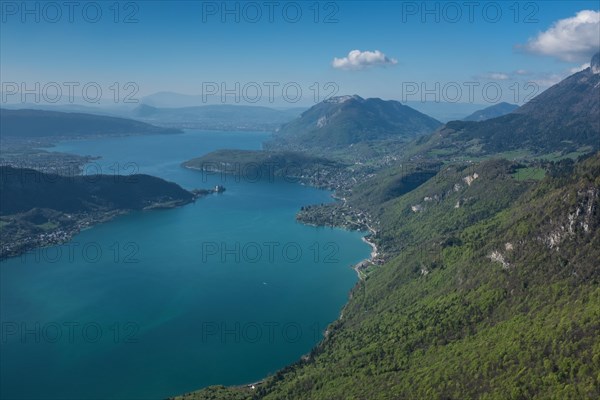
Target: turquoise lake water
x=153, y=304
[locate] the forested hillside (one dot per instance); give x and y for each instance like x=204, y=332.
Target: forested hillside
x=23, y=189
x=491, y=291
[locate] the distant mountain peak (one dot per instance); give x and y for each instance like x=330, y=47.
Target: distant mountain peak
x=595, y=64
x=497, y=110
x=144, y=110
x=563, y=118
x=346, y=120
x=343, y=99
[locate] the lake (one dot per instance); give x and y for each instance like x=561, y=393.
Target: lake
x=157, y=303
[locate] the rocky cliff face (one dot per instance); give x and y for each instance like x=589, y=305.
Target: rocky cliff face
x=581, y=219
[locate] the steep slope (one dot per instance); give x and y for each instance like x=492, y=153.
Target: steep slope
x=492, y=292
x=38, y=123
x=565, y=118
x=497, y=110
x=346, y=120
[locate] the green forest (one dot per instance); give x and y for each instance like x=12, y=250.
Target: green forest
x=498, y=298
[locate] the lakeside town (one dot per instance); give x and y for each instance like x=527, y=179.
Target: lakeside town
x=20, y=233
x=39, y=227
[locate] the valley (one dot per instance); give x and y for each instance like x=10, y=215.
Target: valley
x=300, y=200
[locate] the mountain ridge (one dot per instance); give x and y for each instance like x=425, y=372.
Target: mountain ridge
x=496, y=110
x=565, y=118
x=221, y=116
x=39, y=123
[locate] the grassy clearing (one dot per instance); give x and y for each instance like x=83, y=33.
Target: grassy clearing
x=529, y=174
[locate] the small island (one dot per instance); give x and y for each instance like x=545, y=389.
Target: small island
x=205, y=192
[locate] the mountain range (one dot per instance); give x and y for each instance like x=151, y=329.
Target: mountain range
x=218, y=117
x=565, y=118
x=211, y=117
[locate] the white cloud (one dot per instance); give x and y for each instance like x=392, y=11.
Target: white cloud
x=570, y=39
x=493, y=76
x=580, y=68
x=357, y=59
x=498, y=76
x=544, y=81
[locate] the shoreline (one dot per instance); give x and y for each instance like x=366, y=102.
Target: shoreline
x=318, y=223
x=62, y=236
x=360, y=266
x=82, y=222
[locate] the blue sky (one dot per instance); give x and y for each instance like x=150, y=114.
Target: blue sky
x=180, y=46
